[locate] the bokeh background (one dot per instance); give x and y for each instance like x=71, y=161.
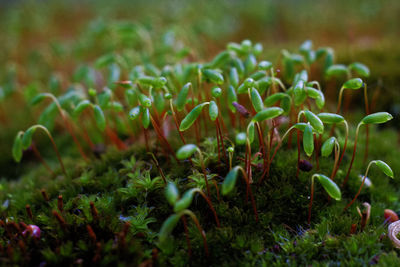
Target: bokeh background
x=42, y=43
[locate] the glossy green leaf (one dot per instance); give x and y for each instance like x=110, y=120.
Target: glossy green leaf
x=337, y=70
x=265, y=65
x=250, y=63
x=234, y=77
x=145, y=117
x=220, y=59
x=360, y=69
x=330, y=186
x=213, y=110
x=37, y=99
x=232, y=97
x=299, y=92
x=376, y=118
x=144, y=101
x=256, y=100
x=306, y=46
x=134, y=113
x=300, y=126
x=17, y=147
x=353, y=84
x=116, y=106
x=185, y=200
x=330, y=118
x=250, y=132
x=171, y=193
x=182, y=97
x=272, y=99
x=308, y=140
x=27, y=137
x=99, y=117
x=385, y=168
x=267, y=113
x=81, y=107
x=159, y=82
x=214, y=76
x=240, y=139
x=191, y=117
x=258, y=75
x=216, y=92
x=104, y=98
x=315, y=121
x=167, y=227
x=327, y=147
x=186, y=151
x=230, y=181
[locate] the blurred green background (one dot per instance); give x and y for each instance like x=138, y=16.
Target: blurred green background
x=45, y=41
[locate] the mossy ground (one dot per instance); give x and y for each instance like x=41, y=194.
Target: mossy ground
x=126, y=187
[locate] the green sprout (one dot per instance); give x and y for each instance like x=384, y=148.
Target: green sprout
x=382, y=166
x=330, y=187
x=374, y=118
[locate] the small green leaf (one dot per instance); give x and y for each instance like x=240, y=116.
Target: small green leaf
x=167, y=227
x=234, y=77
x=159, y=82
x=308, y=140
x=185, y=201
x=220, y=59
x=327, y=147
x=330, y=118
x=265, y=65
x=81, y=107
x=376, y=118
x=330, y=187
x=186, y=151
x=213, y=110
x=17, y=147
x=104, y=98
x=171, y=193
x=145, y=117
x=272, y=99
x=250, y=63
x=240, y=138
x=360, y=69
x=299, y=92
x=232, y=97
x=385, y=168
x=214, y=76
x=314, y=121
x=300, y=126
x=182, y=96
x=353, y=84
x=230, y=181
x=27, y=137
x=336, y=70
x=116, y=106
x=250, y=132
x=191, y=117
x=256, y=100
x=216, y=92
x=99, y=117
x=268, y=113
x=37, y=99
x=134, y=113
x=144, y=101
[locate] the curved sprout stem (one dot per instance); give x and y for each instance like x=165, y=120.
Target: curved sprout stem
x=207, y=199
x=246, y=179
x=196, y=222
x=204, y=171
x=354, y=154
x=344, y=150
x=361, y=186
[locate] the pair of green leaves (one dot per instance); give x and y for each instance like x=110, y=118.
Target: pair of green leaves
x=191, y=117
x=173, y=198
x=136, y=111
x=97, y=111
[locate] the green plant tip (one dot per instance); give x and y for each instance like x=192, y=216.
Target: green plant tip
x=186, y=151
x=377, y=118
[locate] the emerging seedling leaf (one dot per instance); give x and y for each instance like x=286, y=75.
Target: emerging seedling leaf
x=182, y=96
x=377, y=118
x=256, y=100
x=315, y=122
x=17, y=147
x=171, y=193
x=213, y=110
x=186, y=151
x=384, y=168
x=330, y=118
x=308, y=140
x=327, y=147
x=230, y=181
x=185, y=201
x=268, y=113
x=330, y=187
x=99, y=117
x=191, y=117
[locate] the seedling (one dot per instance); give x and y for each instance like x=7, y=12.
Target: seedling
x=37, y=99
x=186, y=152
x=374, y=118
x=382, y=166
x=24, y=141
x=230, y=181
x=330, y=187
x=327, y=148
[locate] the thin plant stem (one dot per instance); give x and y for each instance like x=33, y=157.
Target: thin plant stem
x=203, y=168
x=207, y=199
x=183, y=218
x=39, y=156
x=196, y=222
x=361, y=186
x=176, y=121
x=353, y=156
x=311, y=200
x=344, y=150
x=246, y=179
